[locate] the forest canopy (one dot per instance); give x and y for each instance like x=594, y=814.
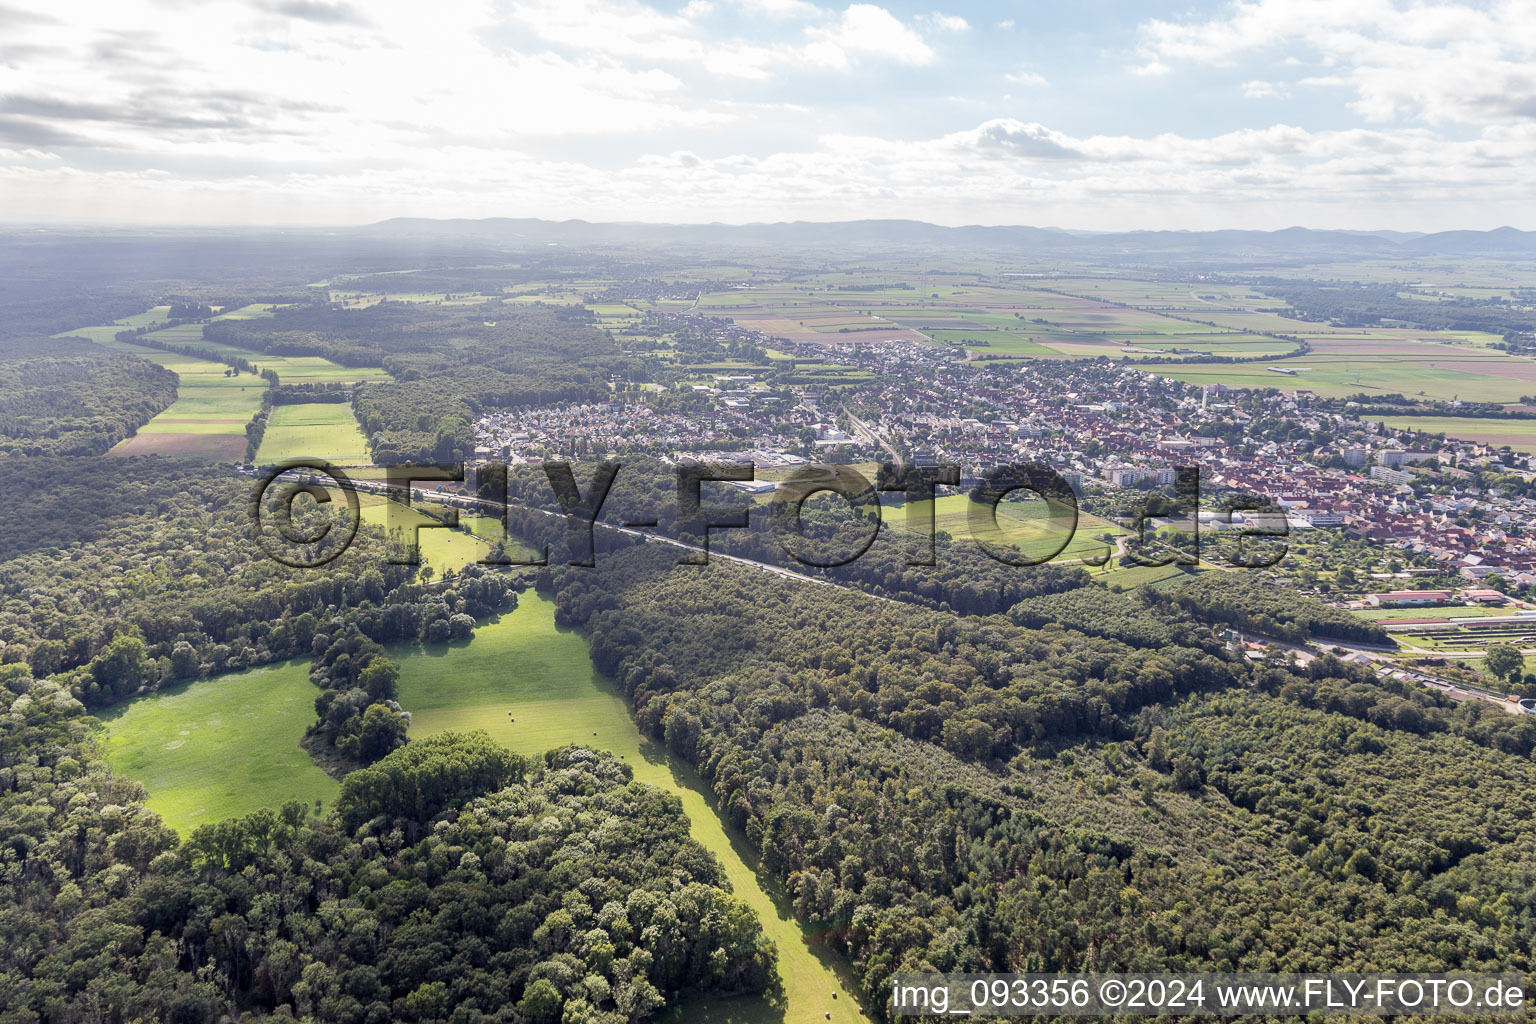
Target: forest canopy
x=574, y=895
x=67, y=396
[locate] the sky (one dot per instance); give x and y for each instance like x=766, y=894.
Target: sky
x=1090, y=114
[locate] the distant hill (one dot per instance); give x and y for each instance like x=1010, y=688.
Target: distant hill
x=1288, y=243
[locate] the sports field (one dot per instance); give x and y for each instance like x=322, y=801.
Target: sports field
x=531, y=685
x=217, y=748
x=313, y=430
x=1388, y=615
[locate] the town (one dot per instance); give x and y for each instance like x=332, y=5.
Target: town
x=1424, y=506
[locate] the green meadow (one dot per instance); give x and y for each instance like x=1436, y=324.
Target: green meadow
x=440, y=547
x=213, y=403
x=218, y=748
x=209, y=415
x=296, y=369
x=313, y=430
x=1026, y=525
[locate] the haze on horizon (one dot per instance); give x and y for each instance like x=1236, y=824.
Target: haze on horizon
x=1110, y=115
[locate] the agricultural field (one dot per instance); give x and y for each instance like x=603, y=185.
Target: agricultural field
x=213, y=402
x=1518, y=434
x=360, y=300
x=219, y=748
x=313, y=430
x=292, y=369
x=1491, y=378
x=1005, y=320
x=208, y=418
x=1053, y=316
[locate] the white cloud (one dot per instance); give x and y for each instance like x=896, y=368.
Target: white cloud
x=1151, y=69
x=1017, y=172
x=307, y=111
x=946, y=22
x=782, y=8
x=1438, y=62
x=865, y=29
x=1030, y=78
x=630, y=30
x=1257, y=89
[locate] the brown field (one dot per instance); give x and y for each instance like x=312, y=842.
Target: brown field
x=214, y=447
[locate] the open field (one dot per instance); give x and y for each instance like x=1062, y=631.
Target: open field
x=208, y=418
x=218, y=748
x=1026, y=525
x=1016, y=316
x=440, y=547
x=313, y=430
x=994, y=319
x=531, y=686
x=1112, y=574
x=1517, y=434
x=213, y=404
x=296, y=369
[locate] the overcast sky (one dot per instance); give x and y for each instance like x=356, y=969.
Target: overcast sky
x=1074, y=113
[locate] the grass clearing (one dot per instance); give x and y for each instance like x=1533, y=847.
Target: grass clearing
x=213, y=403
x=209, y=401
x=218, y=748
x=440, y=547
x=1026, y=525
x=315, y=430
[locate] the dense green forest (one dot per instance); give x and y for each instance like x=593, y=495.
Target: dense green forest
x=448, y=364
x=68, y=396
x=958, y=766
x=531, y=894
x=1241, y=600
x=968, y=794
x=1367, y=305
